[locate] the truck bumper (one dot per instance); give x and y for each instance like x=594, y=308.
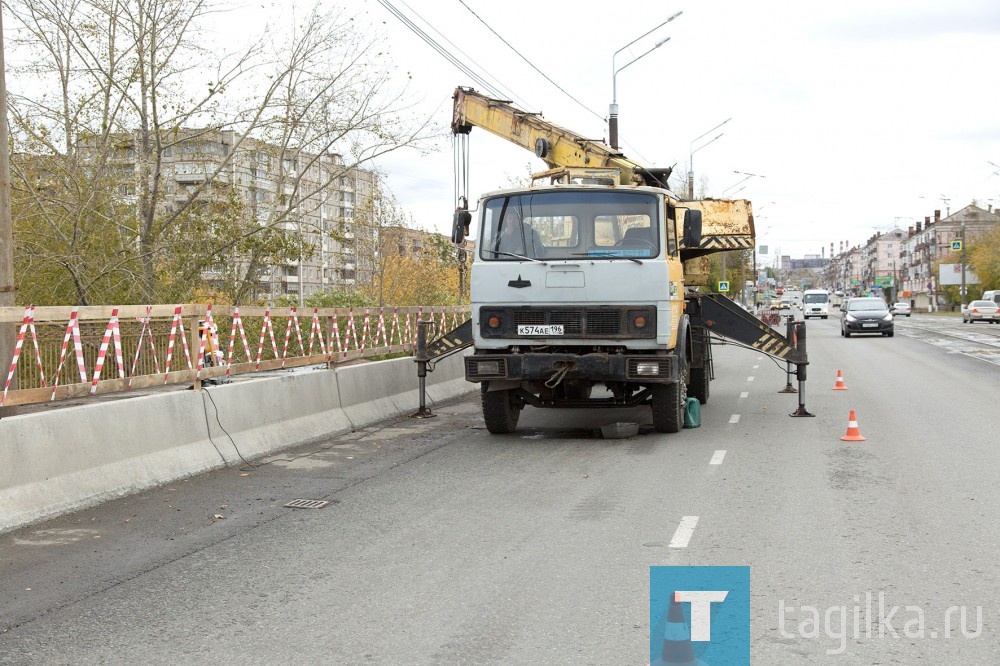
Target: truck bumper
x=638, y=369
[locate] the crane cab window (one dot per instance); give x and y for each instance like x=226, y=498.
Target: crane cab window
x=568, y=224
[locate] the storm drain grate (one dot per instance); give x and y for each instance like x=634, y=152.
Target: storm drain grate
x=307, y=504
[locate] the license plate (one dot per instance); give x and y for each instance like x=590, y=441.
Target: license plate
x=869, y=325
x=529, y=329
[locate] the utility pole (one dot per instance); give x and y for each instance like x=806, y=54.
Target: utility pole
x=8, y=331
x=962, y=295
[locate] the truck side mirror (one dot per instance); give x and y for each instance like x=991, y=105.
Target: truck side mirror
x=460, y=226
x=692, y=228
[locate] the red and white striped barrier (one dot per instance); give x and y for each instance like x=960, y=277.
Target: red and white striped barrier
x=27, y=323
x=293, y=320
x=364, y=331
x=352, y=331
x=110, y=332
x=380, y=329
x=316, y=333
x=346, y=335
x=178, y=324
x=394, y=334
x=72, y=331
x=147, y=332
x=267, y=327
x=335, y=335
x=237, y=324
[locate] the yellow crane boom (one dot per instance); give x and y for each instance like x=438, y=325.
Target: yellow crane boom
x=727, y=224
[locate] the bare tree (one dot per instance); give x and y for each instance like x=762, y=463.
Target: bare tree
x=137, y=83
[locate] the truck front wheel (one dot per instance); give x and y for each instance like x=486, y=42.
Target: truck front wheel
x=499, y=411
x=667, y=403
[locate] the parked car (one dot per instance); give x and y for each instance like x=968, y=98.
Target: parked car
x=901, y=308
x=866, y=315
x=981, y=311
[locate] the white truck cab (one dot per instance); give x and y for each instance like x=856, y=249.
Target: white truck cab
x=815, y=303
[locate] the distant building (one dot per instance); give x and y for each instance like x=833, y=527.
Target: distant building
x=930, y=241
x=313, y=197
x=899, y=265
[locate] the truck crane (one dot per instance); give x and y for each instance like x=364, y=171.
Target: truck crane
x=593, y=277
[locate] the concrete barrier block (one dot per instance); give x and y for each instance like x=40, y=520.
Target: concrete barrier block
x=270, y=413
x=68, y=459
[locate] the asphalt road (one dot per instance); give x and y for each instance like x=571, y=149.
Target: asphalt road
x=443, y=544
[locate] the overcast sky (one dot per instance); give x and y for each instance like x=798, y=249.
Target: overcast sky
x=857, y=116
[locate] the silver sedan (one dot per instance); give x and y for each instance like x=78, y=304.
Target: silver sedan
x=981, y=311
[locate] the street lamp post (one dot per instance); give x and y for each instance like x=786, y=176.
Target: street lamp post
x=746, y=176
x=694, y=150
x=613, y=110
x=962, y=295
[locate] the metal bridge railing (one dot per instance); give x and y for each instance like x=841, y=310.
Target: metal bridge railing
x=65, y=352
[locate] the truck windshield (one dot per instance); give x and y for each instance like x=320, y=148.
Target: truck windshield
x=570, y=224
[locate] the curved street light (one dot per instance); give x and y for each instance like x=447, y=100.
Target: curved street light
x=613, y=110
x=747, y=176
x=695, y=150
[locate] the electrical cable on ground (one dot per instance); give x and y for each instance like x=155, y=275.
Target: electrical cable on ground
x=204, y=393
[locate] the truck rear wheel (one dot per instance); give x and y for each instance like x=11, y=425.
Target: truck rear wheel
x=700, y=381
x=667, y=403
x=499, y=411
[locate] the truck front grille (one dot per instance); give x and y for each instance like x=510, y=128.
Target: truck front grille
x=577, y=323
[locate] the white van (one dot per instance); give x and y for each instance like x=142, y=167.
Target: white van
x=992, y=295
x=815, y=303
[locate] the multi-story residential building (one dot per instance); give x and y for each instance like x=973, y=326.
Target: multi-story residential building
x=311, y=197
x=930, y=242
x=880, y=264
x=900, y=265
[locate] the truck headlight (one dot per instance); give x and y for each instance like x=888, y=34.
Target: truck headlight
x=647, y=368
x=487, y=368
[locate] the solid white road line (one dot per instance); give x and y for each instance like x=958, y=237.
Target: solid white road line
x=684, y=532
x=717, y=457
x=735, y=418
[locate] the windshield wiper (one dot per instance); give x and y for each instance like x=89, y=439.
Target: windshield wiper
x=606, y=255
x=516, y=256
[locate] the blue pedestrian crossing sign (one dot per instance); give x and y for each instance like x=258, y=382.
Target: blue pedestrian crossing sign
x=956, y=246
x=723, y=286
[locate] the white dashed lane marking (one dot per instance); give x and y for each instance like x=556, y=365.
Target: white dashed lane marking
x=735, y=418
x=750, y=379
x=684, y=532
x=744, y=395
x=717, y=457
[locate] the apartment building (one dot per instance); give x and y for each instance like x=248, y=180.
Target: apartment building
x=900, y=265
x=311, y=197
x=930, y=241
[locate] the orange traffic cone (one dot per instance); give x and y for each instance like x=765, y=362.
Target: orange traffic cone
x=839, y=386
x=677, y=638
x=853, y=432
